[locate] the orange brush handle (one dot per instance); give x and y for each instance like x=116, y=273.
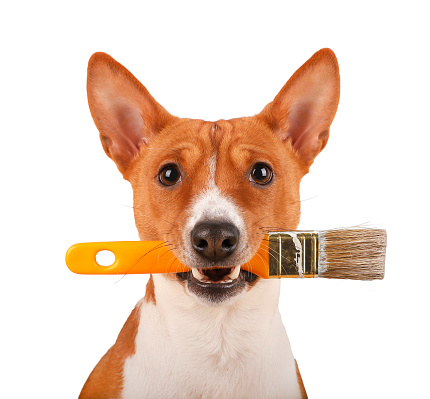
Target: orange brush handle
x=142, y=257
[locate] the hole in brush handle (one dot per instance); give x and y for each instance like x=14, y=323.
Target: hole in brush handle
x=105, y=258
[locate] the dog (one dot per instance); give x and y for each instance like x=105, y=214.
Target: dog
x=211, y=191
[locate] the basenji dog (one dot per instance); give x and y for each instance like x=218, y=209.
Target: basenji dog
x=211, y=191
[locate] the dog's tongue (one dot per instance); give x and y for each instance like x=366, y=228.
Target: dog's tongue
x=216, y=274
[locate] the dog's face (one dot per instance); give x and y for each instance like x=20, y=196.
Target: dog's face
x=211, y=190
x=208, y=190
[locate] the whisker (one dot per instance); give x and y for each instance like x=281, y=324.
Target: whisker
x=264, y=217
x=156, y=247
x=173, y=224
x=264, y=261
x=271, y=251
x=273, y=228
x=311, y=198
x=172, y=261
x=270, y=254
x=250, y=266
x=277, y=255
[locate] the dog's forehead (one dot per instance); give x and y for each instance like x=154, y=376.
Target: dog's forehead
x=202, y=140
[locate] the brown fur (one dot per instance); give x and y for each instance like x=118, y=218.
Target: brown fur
x=302, y=387
x=106, y=379
x=150, y=293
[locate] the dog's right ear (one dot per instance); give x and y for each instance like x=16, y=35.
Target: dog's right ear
x=126, y=115
x=302, y=112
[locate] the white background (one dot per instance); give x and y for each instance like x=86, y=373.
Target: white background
x=214, y=60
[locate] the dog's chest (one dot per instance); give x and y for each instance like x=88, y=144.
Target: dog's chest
x=224, y=356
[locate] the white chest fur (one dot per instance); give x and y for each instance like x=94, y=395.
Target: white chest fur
x=188, y=350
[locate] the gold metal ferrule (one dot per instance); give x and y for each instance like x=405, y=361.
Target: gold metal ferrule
x=293, y=254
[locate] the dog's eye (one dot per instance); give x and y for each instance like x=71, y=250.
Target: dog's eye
x=261, y=173
x=170, y=175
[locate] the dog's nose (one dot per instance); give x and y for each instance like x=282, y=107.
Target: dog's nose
x=214, y=240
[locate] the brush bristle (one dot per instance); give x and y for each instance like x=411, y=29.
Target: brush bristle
x=354, y=254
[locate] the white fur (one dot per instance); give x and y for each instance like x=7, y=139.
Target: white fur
x=212, y=205
x=188, y=350
x=212, y=170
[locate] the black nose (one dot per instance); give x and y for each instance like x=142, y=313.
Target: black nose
x=214, y=240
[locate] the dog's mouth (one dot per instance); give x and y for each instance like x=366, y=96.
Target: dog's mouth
x=220, y=275
x=217, y=284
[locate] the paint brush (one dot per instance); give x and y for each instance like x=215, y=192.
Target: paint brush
x=356, y=254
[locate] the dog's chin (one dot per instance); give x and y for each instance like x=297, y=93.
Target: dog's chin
x=216, y=285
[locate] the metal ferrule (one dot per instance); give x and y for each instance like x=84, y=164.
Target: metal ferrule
x=293, y=254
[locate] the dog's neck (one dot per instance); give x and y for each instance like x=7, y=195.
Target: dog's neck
x=218, y=331
x=237, y=349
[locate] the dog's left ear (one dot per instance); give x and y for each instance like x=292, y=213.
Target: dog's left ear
x=125, y=113
x=305, y=107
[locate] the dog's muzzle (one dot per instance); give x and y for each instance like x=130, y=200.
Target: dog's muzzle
x=214, y=241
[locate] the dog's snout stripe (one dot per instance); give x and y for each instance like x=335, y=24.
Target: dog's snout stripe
x=212, y=205
x=212, y=170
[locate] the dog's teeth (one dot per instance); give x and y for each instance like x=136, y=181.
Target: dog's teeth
x=227, y=279
x=197, y=275
x=235, y=274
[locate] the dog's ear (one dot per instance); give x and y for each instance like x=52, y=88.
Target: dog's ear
x=126, y=115
x=304, y=109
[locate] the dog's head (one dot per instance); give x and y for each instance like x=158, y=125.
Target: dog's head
x=211, y=190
